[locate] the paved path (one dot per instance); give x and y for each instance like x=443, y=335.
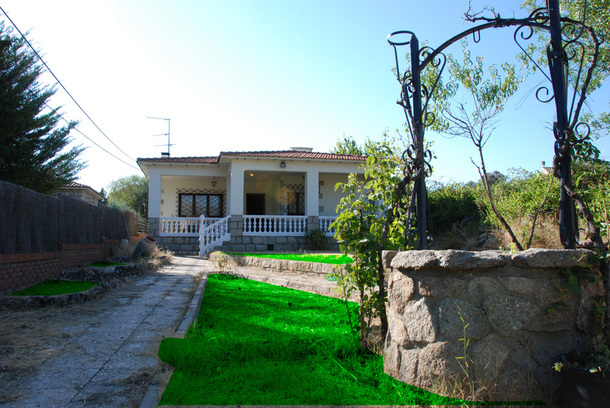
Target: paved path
x=109, y=355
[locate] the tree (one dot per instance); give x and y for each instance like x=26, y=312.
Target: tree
x=476, y=118
x=348, y=146
x=372, y=218
x=129, y=193
x=34, y=150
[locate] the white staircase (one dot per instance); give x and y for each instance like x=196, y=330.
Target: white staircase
x=214, y=235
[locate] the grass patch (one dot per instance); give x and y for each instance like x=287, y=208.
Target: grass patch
x=319, y=258
x=259, y=344
x=103, y=264
x=56, y=287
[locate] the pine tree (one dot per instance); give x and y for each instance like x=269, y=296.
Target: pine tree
x=33, y=149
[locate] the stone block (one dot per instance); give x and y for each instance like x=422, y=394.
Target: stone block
x=420, y=322
x=480, y=287
x=459, y=319
x=415, y=260
x=400, y=292
x=470, y=260
x=552, y=258
x=489, y=356
x=438, y=360
x=507, y=314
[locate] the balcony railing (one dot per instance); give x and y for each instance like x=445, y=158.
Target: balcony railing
x=325, y=225
x=283, y=225
x=286, y=225
x=182, y=226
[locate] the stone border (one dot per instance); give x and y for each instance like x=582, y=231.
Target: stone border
x=108, y=277
x=280, y=265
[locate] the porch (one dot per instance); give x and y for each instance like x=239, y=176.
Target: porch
x=240, y=233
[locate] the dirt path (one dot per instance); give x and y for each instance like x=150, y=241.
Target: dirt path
x=99, y=353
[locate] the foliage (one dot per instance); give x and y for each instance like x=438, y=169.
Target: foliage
x=372, y=218
x=348, y=146
x=592, y=178
x=259, y=344
x=129, y=193
x=34, y=150
x=453, y=204
x=487, y=90
x=315, y=239
x=521, y=199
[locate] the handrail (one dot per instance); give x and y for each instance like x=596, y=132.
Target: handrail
x=214, y=234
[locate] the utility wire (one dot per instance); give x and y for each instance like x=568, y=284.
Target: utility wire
x=62, y=86
x=89, y=139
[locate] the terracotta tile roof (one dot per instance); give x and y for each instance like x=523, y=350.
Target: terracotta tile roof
x=281, y=154
x=184, y=160
x=293, y=154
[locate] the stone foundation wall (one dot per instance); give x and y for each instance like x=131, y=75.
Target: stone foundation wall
x=506, y=305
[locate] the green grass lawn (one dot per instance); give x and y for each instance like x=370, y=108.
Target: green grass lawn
x=103, y=264
x=259, y=344
x=56, y=287
x=320, y=258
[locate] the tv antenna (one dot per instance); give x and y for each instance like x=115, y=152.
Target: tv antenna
x=166, y=154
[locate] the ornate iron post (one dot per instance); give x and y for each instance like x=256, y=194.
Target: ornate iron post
x=558, y=67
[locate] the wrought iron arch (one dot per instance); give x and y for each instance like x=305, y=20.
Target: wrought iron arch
x=413, y=94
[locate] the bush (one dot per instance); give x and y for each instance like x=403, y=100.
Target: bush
x=316, y=240
x=453, y=205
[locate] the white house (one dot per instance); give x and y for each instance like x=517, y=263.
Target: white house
x=244, y=201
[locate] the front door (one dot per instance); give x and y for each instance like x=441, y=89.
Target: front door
x=255, y=204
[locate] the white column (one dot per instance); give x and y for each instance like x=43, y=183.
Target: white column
x=312, y=193
x=154, y=193
x=236, y=189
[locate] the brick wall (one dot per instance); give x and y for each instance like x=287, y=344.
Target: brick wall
x=19, y=271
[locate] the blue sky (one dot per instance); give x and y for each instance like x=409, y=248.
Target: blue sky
x=259, y=75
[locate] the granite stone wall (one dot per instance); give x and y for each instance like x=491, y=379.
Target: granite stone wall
x=506, y=305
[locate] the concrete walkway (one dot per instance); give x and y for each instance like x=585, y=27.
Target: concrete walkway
x=109, y=356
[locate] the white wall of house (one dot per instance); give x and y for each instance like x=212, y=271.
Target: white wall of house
x=173, y=185
x=164, y=180
x=309, y=173
x=318, y=178
x=329, y=198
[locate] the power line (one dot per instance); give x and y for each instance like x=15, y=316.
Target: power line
x=91, y=140
x=62, y=85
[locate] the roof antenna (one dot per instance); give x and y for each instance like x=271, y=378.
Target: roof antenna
x=164, y=154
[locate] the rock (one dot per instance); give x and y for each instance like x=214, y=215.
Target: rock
x=459, y=319
x=419, y=322
x=508, y=314
x=551, y=258
x=401, y=291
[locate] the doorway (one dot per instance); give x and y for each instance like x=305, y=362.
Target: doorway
x=255, y=204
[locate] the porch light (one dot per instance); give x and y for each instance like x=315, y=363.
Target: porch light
x=214, y=182
x=283, y=165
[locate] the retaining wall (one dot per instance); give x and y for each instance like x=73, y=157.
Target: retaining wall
x=19, y=271
x=506, y=305
x=279, y=265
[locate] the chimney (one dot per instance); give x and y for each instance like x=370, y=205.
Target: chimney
x=302, y=149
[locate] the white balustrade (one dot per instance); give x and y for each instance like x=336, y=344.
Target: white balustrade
x=325, y=222
x=286, y=225
x=182, y=226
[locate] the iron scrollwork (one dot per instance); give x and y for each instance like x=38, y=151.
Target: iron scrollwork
x=565, y=45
